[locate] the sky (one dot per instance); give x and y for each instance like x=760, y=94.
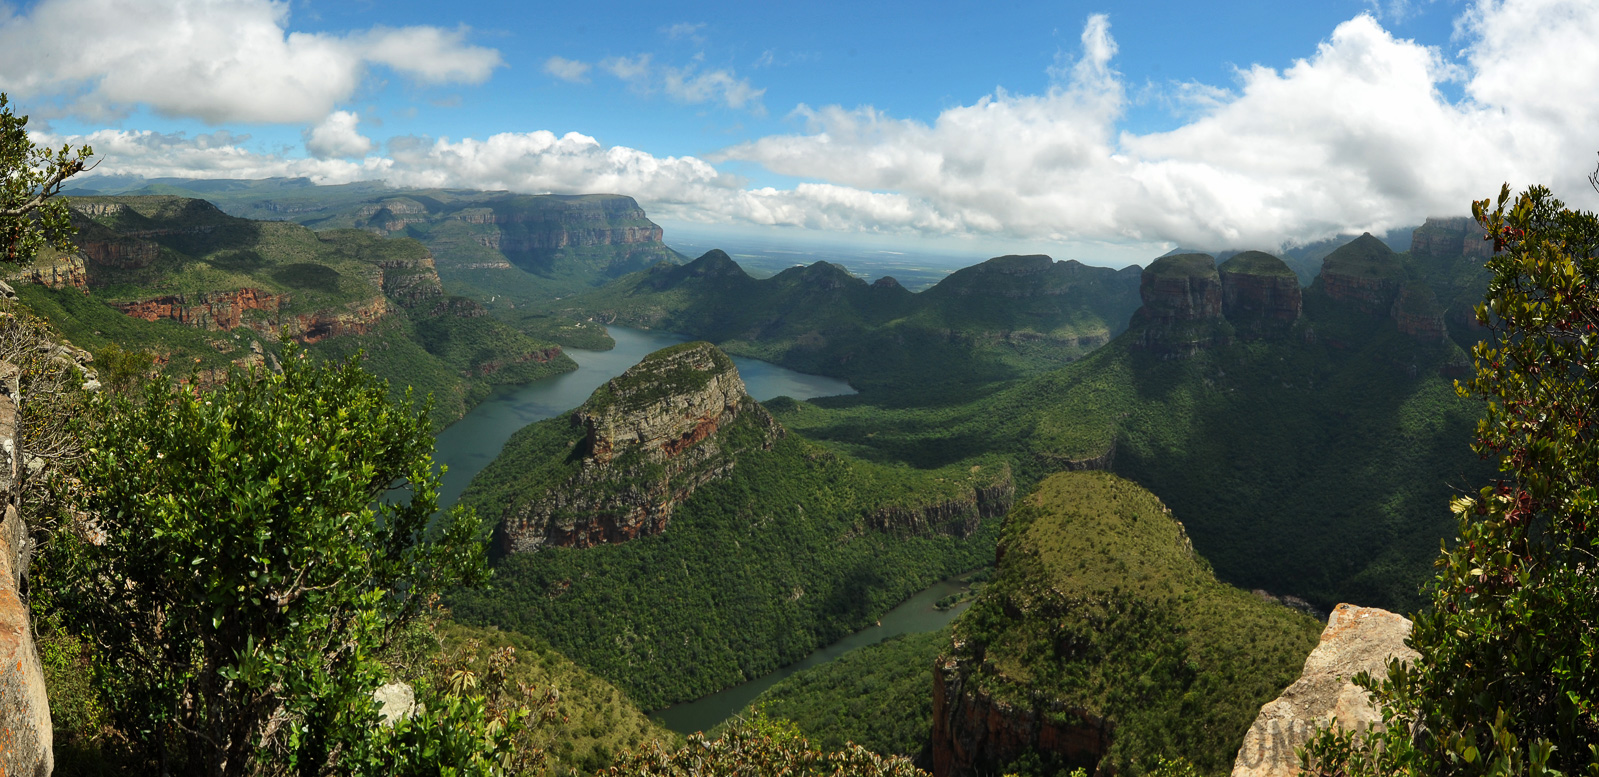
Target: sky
x=1106, y=132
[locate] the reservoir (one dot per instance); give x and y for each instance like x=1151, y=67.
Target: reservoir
x=915, y=616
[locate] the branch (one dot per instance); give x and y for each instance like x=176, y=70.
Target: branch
x=45, y=192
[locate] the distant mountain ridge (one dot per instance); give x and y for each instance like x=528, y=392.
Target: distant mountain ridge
x=996, y=320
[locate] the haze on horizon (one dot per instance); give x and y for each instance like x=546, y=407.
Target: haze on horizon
x=1061, y=128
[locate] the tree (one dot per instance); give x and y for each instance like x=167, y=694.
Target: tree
x=1508, y=678
x=30, y=178
x=260, y=542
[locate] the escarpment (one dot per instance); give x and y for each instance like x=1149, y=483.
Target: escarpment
x=958, y=516
x=651, y=436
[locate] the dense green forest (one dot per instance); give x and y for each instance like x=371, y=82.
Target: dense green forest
x=1318, y=469
x=1100, y=602
x=756, y=569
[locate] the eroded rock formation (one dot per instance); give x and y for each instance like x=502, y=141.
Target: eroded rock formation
x=1417, y=313
x=1260, y=294
x=1357, y=639
x=652, y=435
x=1182, y=305
x=1363, y=274
x=1446, y=238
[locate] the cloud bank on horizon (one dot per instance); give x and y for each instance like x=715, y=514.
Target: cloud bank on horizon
x=1356, y=136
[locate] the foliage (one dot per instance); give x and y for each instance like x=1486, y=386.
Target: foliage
x=1507, y=682
x=1099, y=603
x=761, y=746
x=50, y=396
x=879, y=697
x=258, y=543
x=31, y=216
x=756, y=569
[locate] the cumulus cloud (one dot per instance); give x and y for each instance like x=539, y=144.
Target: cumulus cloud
x=1357, y=136
x=336, y=137
x=568, y=69
x=214, y=61
x=687, y=84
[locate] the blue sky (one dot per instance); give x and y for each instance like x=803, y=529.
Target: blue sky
x=1089, y=130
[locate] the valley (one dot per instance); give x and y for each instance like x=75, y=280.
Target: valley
x=704, y=484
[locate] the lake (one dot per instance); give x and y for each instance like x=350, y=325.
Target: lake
x=468, y=445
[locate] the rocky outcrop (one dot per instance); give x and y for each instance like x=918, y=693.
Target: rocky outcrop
x=409, y=282
x=1448, y=238
x=1260, y=294
x=1357, y=639
x=959, y=516
x=1417, y=313
x=212, y=311
x=54, y=270
x=1364, y=274
x=121, y=253
x=1182, y=305
x=573, y=221
x=651, y=436
x=26, y=744
x=216, y=311
x=975, y=733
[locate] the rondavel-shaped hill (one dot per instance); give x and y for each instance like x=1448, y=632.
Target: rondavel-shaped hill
x=673, y=538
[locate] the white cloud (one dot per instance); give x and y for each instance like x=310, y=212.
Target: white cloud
x=218, y=61
x=567, y=69
x=685, y=30
x=1358, y=136
x=336, y=137
x=687, y=84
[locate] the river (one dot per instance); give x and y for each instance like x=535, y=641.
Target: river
x=468, y=445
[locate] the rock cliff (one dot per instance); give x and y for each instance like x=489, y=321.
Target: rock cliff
x=55, y=270
x=1357, y=639
x=26, y=744
x=1260, y=294
x=1363, y=274
x=652, y=435
x=1417, y=313
x=1182, y=305
x=1445, y=238
x=958, y=516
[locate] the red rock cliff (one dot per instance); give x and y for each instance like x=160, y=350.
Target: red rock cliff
x=1182, y=305
x=1260, y=294
x=975, y=734
x=1446, y=238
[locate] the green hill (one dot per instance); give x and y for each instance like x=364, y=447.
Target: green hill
x=1320, y=469
x=202, y=291
x=1103, y=622
x=992, y=322
x=779, y=548
x=502, y=250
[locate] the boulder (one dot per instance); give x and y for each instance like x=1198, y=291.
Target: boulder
x=1357, y=639
x=396, y=702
